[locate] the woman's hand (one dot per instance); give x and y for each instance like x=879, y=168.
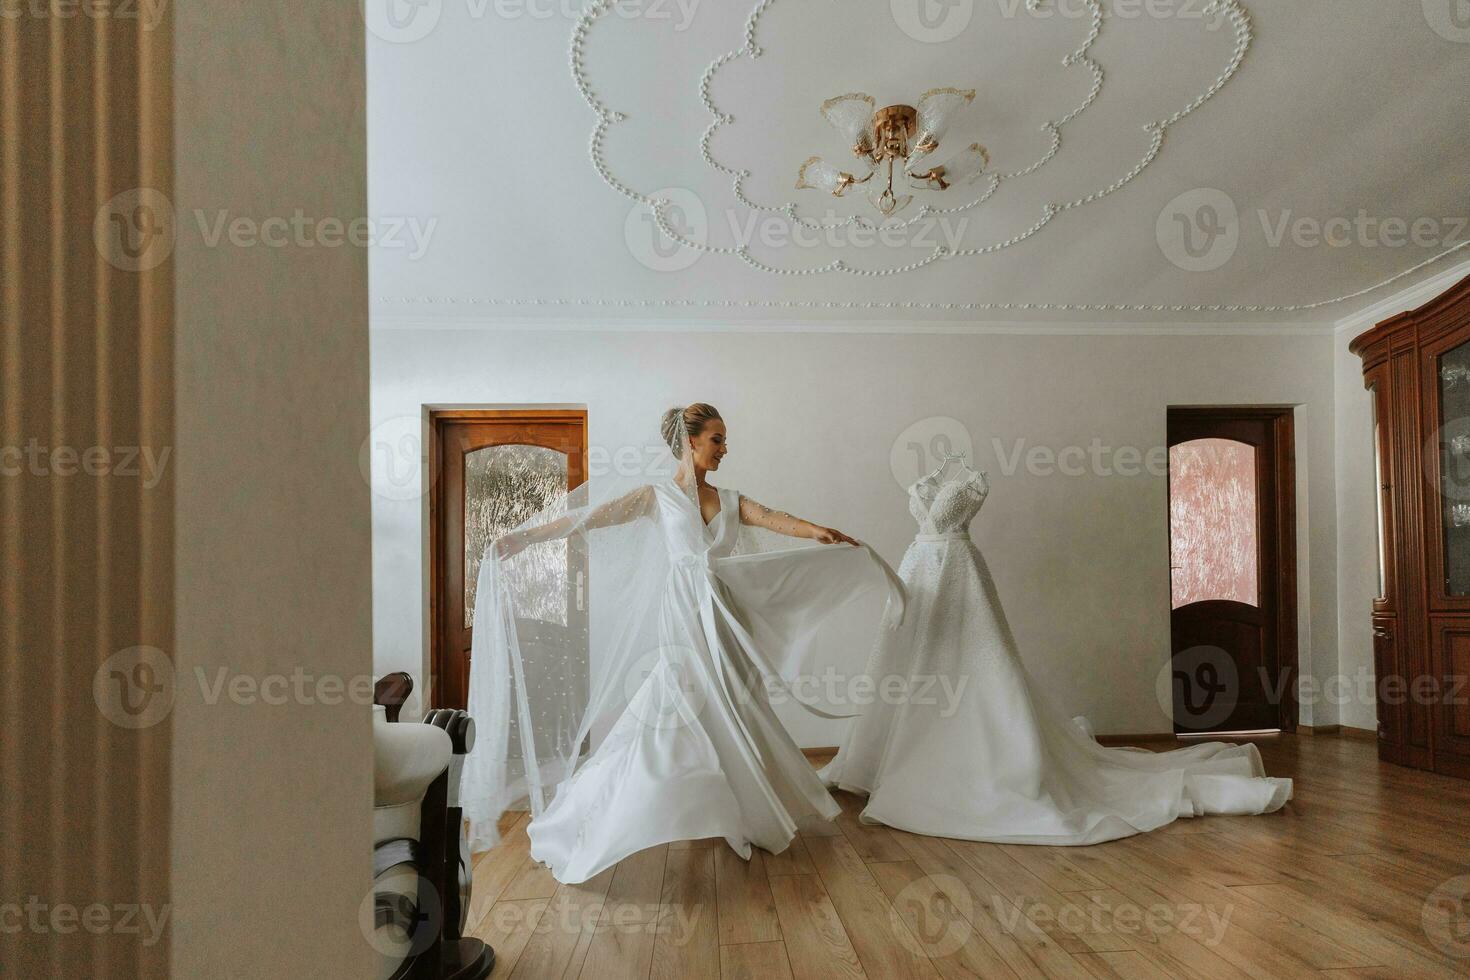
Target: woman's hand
x=509, y=545
x=830, y=535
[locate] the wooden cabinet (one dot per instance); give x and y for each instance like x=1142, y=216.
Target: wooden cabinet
x=1418, y=367
x=1392, y=735
x=1450, y=734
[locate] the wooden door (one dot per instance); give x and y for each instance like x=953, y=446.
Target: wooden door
x=493, y=469
x=1232, y=545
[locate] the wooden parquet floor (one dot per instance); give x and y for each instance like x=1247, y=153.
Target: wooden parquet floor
x=1359, y=877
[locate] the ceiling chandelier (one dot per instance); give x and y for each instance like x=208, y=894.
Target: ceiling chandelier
x=902, y=136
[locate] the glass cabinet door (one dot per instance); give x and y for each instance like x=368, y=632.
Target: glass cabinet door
x=1380, y=493
x=1454, y=467
x=1379, y=382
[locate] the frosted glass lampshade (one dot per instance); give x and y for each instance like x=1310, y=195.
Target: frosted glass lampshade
x=963, y=168
x=937, y=108
x=818, y=174
x=852, y=116
x=966, y=166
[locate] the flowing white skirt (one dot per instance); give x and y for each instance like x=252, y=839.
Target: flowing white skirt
x=980, y=755
x=698, y=752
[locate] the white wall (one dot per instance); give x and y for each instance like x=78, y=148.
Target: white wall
x=1081, y=561
x=1357, y=520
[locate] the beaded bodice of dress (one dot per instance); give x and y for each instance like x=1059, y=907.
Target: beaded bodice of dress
x=946, y=508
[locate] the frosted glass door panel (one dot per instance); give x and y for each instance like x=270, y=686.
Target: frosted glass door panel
x=505, y=486
x=1214, y=553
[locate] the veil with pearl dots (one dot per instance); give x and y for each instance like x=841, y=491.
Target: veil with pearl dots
x=577, y=607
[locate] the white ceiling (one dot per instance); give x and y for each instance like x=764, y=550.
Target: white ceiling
x=479, y=137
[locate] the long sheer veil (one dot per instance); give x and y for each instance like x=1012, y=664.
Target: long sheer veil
x=570, y=618
x=557, y=626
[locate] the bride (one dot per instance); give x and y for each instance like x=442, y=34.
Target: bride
x=627, y=644
x=999, y=763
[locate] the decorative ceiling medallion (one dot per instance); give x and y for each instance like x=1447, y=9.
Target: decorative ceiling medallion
x=865, y=129
x=892, y=135
x=1079, y=58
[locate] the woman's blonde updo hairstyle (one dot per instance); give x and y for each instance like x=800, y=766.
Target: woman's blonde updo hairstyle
x=696, y=417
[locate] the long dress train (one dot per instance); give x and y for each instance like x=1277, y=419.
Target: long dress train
x=974, y=751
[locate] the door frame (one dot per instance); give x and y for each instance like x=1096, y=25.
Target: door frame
x=1283, y=555
x=436, y=418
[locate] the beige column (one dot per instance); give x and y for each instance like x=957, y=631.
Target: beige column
x=86, y=523
x=180, y=422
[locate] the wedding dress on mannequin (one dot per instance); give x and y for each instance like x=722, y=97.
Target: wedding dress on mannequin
x=648, y=720
x=995, y=761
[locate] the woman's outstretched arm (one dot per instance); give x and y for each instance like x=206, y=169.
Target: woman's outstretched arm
x=623, y=510
x=759, y=515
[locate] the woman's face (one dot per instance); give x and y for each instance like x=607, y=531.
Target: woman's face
x=709, y=445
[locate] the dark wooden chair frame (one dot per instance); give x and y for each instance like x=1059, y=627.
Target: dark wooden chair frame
x=448, y=954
